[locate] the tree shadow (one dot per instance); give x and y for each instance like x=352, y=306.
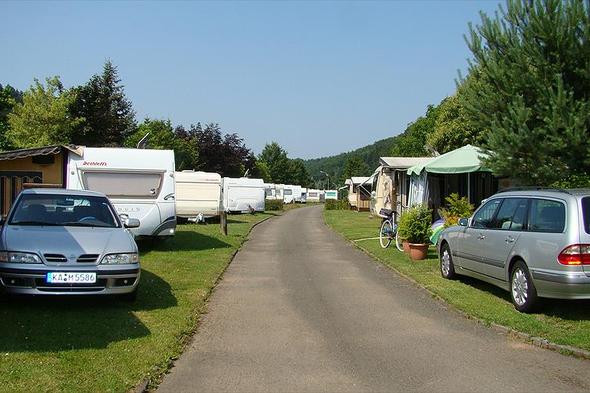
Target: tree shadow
x=182, y=241
x=56, y=323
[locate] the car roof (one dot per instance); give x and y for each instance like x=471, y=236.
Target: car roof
x=61, y=191
x=547, y=192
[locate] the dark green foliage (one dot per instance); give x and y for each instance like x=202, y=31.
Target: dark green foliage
x=9, y=97
x=282, y=169
x=533, y=89
x=354, y=166
x=273, y=205
x=109, y=116
x=334, y=165
x=412, y=143
x=163, y=136
x=298, y=173
x=415, y=225
x=340, y=204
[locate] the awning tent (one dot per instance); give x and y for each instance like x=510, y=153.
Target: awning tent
x=465, y=159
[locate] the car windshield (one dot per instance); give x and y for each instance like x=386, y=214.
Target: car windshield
x=64, y=210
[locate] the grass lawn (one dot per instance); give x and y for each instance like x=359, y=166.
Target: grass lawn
x=559, y=321
x=104, y=344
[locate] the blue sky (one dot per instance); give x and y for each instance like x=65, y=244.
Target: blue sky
x=319, y=78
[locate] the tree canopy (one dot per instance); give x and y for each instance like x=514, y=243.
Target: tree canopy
x=43, y=117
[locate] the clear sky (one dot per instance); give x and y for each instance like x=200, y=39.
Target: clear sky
x=319, y=78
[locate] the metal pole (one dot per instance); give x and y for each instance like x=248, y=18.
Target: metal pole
x=469, y=187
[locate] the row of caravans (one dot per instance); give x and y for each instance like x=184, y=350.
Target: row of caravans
x=141, y=183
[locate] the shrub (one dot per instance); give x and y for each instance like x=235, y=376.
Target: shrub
x=274, y=205
x=456, y=208
x=414, y=225
x=341, y=204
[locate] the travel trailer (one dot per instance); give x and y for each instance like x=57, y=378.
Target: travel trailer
x=359, y=192
x=243, y=195
x=270, y=191
x=331, y=194
x=297, y=194
x=198, y=195
x=313, y=195
x=303, y=195
x=292, y=193
x=139, y=183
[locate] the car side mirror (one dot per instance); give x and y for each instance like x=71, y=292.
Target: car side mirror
x=463, y=222
x=131, y=222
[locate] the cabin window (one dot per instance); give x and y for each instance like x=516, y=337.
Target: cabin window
x=124, y=184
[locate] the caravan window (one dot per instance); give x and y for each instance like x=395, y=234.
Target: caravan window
x=288, y=192
x=124, y=184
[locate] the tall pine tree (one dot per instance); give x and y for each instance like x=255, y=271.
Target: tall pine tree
x=532, y=96
x=109, y=116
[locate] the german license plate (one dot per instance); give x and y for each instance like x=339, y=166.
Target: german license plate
x=71, y=278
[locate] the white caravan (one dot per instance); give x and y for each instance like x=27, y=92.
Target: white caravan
x=139, y=183
x=198, y=195
x=274, y=191
x=288, y=194
x=303, y=195
x=243, y=194
x=313, y=195
x=297, y=193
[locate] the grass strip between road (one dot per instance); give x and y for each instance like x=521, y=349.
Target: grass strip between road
x=561, y=322
x=97, y=344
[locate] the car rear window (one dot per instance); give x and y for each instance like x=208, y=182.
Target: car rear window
x=546, y=216
x=586, y=213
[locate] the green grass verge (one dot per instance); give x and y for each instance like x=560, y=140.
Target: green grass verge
x=559, y=321
x=103, y=344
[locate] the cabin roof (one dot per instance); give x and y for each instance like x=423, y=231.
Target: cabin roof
x=39, y=151
x=402, y=162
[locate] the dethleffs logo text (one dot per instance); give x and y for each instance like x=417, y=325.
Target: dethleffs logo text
x=95, y=163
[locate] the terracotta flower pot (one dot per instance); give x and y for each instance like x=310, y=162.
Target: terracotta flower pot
x=406, y=246
x=418, y=251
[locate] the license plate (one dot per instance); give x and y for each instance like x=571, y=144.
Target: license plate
x=71, y=278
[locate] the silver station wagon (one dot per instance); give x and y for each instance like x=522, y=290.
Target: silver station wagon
x=533, y=243
x=57, y=241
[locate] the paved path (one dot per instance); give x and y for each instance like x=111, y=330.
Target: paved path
x=301, y=310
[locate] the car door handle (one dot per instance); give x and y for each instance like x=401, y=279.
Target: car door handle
x=481, y=237
x=509, y=239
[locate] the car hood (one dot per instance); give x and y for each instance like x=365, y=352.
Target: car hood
x=68, y=241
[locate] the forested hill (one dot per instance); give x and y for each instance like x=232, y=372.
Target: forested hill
x=334, y=165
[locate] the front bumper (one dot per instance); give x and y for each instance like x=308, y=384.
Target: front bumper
x=561, y=285
x=31, y=279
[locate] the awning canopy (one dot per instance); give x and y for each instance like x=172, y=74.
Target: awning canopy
x=465, y=159
x=402, y=162
x=39, y=151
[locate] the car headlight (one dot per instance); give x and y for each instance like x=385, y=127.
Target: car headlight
x=19, y=257
x=117, y=259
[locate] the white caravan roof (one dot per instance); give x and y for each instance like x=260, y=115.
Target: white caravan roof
x=402, y=162
x=244, y=182
x=198, y=177
x=124, y=158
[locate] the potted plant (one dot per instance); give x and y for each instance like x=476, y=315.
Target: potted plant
x=402, y=231
x=417, y=231
x=456, y=208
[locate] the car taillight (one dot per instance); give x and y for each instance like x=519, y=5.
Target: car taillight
x=576, y=254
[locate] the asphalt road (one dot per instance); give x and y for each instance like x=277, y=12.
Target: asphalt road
x=301, y=310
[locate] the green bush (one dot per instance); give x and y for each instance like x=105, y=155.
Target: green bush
x=414, y=225
x=274, y=205
x=456, y=208
x=573, y=181
x=341, y=204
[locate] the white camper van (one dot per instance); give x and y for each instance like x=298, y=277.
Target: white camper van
x=243, y=194
x=139, y=183
x=198, y=195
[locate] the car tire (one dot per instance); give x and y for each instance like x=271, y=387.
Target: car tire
x=522, y=289
x=447, y=267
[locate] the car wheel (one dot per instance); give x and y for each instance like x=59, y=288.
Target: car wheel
x=447, y=267
x=522, y=288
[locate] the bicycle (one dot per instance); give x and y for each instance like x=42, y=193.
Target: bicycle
x=388, y=230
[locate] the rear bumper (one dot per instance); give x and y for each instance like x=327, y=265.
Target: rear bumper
x=561, y=285
x=31, y=280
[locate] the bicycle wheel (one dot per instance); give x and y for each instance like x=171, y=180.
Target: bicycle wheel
x=398, y=242
x=386, y=233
